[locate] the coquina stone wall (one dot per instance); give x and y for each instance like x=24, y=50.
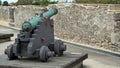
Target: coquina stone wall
x=90, y=24
x=24, y=13
x=4, y=13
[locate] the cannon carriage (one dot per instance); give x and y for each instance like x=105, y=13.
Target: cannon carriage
x=36, y=39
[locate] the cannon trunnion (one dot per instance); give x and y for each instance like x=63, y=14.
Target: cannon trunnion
x=36, y=39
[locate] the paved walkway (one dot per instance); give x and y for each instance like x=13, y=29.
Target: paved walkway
x=95, y=60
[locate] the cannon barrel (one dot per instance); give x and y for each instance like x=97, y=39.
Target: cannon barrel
x=32, y=23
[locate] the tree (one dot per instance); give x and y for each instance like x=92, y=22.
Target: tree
x=113, y=1
x=24, y=2
x=77, y=1
x=44, y=2
x=41, y=2
x=5, y=3
x=34, y=2
x=99, y=1
x=86, y=1
x=0, y=2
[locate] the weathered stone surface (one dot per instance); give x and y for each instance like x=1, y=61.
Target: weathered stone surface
x=117, y=16
x=115, y=36
x=68, y=60
x=24, y=13
x=92, y=24
x=87, y=24
x=4, y=13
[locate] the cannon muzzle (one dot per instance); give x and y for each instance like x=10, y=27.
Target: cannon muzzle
x=32, y=23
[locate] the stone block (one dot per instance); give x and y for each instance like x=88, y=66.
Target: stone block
x=68, y=60
x=115, y=38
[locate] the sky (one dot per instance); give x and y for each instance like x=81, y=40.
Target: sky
x=10, y=0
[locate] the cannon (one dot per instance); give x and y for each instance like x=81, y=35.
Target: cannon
x=36, y=39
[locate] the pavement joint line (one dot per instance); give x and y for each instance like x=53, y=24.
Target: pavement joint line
x=78, y=45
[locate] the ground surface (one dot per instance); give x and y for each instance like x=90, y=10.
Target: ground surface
x=95, y=60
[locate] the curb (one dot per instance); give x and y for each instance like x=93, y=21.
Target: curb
x=78, y=45
x=94, y=49
x=13, y=28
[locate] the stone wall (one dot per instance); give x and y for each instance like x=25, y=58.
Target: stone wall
x=115, y=35
x=89, y=24
x=24, y=13
x=86, y=24
x=16, y=15
x=4, y=13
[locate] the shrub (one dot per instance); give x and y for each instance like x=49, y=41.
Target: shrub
x=0, y=2
x=5, y=3
x=99, y=1
x=42, y=2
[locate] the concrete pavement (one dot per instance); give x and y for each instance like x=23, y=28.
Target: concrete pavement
x=95, y=60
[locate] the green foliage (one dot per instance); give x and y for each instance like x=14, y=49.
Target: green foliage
x=24, y=2
x=53, y=2
x=87, y=1
x=77, y=1
x=99, y=1
x=34, y=2
x=5, y=3
x=114, y=1
x=42, y=2
x=0, y=2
